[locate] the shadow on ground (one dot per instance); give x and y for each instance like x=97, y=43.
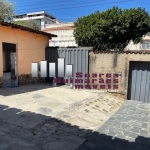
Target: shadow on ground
x=7, y=91
x=20, y=130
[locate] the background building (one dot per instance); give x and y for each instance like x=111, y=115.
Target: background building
x=64, y=32
x=41, y=17
x=143, y=45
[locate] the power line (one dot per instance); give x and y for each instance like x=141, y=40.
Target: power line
x=67, y=5
x=87, y=5
x=12, y=1
x=56, y=6
x=143, y=2
x=20, y=2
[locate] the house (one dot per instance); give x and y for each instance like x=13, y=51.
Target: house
x=64, y=32
x=42, y=18
x=144, y=45
x=20, y=46
x=65, y=37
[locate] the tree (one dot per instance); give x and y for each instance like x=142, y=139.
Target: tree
x=6, y=10
x=112, y=28
x=7, y=13
x=28, y=23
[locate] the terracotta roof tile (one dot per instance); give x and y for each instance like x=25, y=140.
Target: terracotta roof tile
x=26, y=28
x=59, y=28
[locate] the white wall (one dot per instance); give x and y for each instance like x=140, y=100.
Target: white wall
x=43, y=19
x=49, y=21
x=140, y=46
x=65, y=38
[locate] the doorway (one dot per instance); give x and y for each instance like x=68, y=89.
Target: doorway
x=9, y=65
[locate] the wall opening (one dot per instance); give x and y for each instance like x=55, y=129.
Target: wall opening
x=9, y=65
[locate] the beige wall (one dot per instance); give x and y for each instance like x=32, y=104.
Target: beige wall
x=115, y=62
x=30, y=47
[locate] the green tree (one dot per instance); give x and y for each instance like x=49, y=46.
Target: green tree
x=113, y=28
x=6, y=10
x=28, y=23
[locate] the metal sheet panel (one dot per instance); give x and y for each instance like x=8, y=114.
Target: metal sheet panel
x=78, y=57
x=34, y=68
x=143, y=82
x=52, y=70
x=61, y=67
x=51, y=56
x=138, y=72
x=43, y=68
x=147, y=91
x=139, y=81
x=69, y=71
x=133, y=74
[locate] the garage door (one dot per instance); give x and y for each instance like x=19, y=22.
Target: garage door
x=139, y=81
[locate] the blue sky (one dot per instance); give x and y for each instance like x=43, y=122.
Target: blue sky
x=70, y=10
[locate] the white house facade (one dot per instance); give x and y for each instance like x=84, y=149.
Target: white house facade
x=143, y=45
x=64, y=32
x=42, y=18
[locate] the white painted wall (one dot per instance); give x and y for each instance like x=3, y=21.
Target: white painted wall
x=140, y=46
x=65, y=38
x=42, y=17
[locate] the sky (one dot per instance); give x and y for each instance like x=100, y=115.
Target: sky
x=70, y=10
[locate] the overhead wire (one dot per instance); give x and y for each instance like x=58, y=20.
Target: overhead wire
x=82, y=5
x=20, y=2
x=64, y=4
x=142, y=2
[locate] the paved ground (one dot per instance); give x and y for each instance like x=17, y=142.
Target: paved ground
x=127, y=129
x=41, y=117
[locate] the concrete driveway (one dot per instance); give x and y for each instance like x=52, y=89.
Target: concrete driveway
x=42, y=117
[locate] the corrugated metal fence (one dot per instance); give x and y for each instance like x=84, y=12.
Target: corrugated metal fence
x=51, y=55
x=139, y=81
x=78, y=57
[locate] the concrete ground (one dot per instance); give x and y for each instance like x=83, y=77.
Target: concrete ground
x=42, y=117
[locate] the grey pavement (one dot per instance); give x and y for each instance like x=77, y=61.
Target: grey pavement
x=42, y=117
x=127, y=129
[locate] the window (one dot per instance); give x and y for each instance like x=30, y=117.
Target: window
x=38, y=22
x=145, y=45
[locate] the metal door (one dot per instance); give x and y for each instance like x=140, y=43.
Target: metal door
x=139, y=81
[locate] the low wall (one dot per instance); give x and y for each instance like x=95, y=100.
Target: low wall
x=27, y=79
x=116, y=62
x=1, y=81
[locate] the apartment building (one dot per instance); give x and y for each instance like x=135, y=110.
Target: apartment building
x=43, y=18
